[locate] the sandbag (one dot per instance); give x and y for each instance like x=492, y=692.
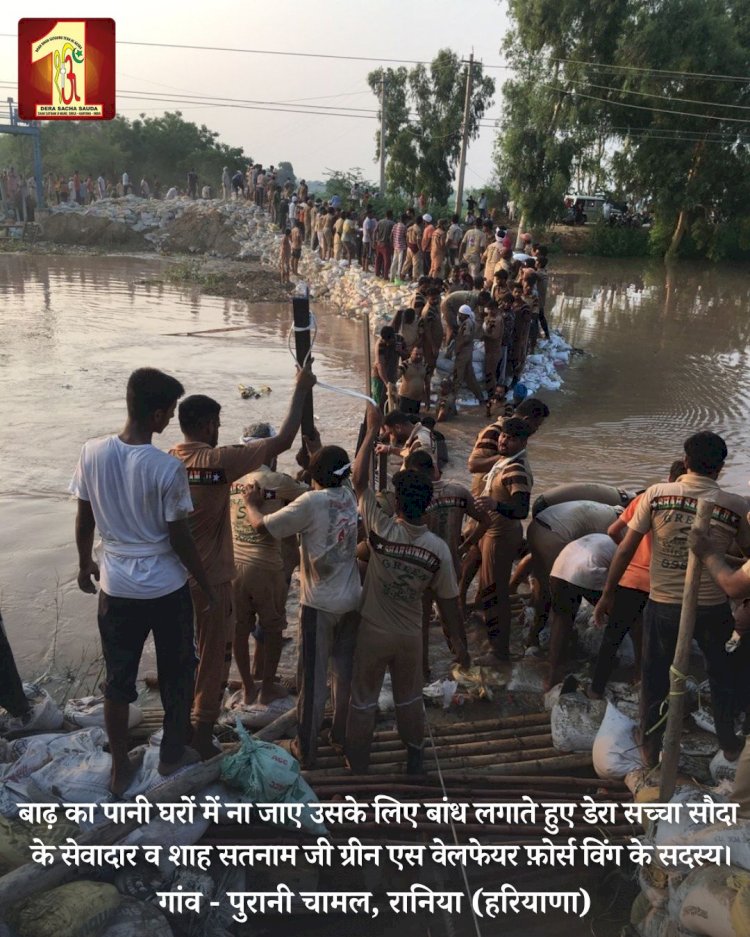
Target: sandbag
x=721, y=769
x=137, y=918
x=615, y=751
x=254, y=715
x=45, y=715
x=16, y=837
x=654, y=884
x=579, y=491
x=575, y=722
x=528, y=676
x=78, y=909
x=89, y=711
x=703, y=902
x=265, y=773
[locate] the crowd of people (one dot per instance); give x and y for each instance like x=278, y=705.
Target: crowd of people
x=199, y=544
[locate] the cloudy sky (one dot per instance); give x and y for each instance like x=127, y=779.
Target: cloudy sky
x=384, y=29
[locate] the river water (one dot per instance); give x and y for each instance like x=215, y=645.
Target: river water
x=666, y=354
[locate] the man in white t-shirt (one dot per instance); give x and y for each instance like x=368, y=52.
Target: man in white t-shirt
x=138, y=498
x=326, y=521
x=579, y=572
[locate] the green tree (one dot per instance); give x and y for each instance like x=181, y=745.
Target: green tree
x=423, y=118
x=622, y=93
x=285, y=173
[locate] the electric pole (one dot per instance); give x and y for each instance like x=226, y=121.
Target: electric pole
x=464, y=136
x=382, y=134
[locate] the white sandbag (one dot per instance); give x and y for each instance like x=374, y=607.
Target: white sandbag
x=654, y=884
x=575, y=722
x=616, y=751
x=75, y=779
x=386, y=703
x=137, y=917
x=89, y=711
x=721, y=769
x=551, y=697
x=528, y=676
x=703, y=902
x=45, y=715
x=254, y=715
x=736, y=838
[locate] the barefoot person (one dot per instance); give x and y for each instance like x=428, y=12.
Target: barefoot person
x=138, y=498
x=261, y=586
x=735, y=583
x=507, y=492
x=326, y=521
x=405, y=560
x=211, y=471
x=668, y=512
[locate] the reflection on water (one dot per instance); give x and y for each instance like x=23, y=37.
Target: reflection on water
x=666, y=355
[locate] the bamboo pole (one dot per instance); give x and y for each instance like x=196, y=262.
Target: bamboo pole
x=545, y=759
x=31, y=878
x=671, y=744
x=397, y=745
x=485, y=747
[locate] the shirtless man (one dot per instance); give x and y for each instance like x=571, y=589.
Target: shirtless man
x=463, y=372
x=411, y=382
x=296, y=242
x=438, y=248
x=385, y=369
x=413, y=263
x=406, y=324
x=432, y=337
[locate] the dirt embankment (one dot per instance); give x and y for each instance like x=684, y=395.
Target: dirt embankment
x=206, y=232
x=236, y=279
x=90, y=231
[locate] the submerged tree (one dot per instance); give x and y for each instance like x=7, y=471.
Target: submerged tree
x=423, y=120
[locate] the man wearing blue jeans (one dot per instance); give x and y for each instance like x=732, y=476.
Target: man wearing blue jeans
x=668, y=511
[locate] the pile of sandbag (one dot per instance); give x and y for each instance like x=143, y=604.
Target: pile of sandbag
x=679, y=901
x=44, y=714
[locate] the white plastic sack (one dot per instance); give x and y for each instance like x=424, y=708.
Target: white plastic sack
x=255, y=715
x=45, y=716
x=528, y=676
x=615, y=750
x=703, y=902
x=721, y=769
x=575, y=722
x=89, y=711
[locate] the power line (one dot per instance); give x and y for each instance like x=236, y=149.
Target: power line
x=640, y=107
x=655, y=71
x=651, y=94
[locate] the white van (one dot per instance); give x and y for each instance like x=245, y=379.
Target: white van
x=581, y=209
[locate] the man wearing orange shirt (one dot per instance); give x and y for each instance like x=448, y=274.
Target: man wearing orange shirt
x=630, y=597
x=211, y=471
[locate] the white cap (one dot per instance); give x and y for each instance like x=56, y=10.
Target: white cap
x=427, y=218
x=466, y=311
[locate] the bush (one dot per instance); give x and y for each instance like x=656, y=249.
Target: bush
x=609, y=241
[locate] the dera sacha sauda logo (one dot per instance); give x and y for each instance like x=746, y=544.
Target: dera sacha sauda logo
x=66, y=69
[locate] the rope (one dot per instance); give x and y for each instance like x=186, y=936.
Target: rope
x=664, y=708
x=453, y=827
x=313, y=327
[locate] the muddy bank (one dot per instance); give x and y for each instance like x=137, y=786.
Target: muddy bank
x=247, y=280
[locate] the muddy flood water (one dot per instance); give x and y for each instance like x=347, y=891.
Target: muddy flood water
x=666, y=354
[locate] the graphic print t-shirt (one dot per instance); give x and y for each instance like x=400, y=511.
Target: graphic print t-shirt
x=405, y=559
x=326, y=521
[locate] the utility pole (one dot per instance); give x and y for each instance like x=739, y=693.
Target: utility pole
x=464, y=136
x=382, y=134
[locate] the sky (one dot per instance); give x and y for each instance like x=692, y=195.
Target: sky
x=413, y=30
